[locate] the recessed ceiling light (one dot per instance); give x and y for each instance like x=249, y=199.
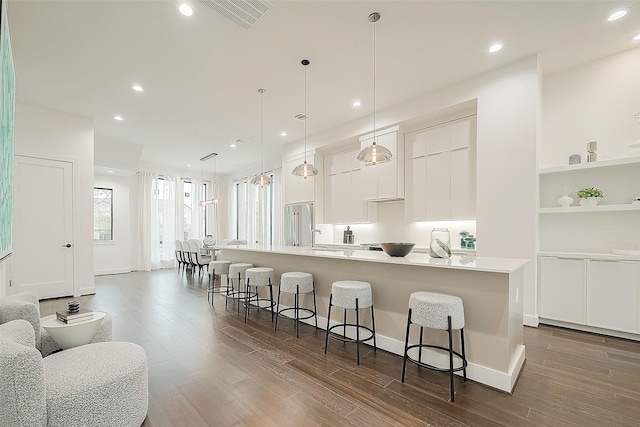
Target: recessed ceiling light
x=185, y=9
x=118, y=118
x=494, y=48
x=233, y=145
x=109, y=171
x=137, y=88
x=356, y=103
x=636, y=38
x=617, y=15
x=283, y=133
x=188, y=166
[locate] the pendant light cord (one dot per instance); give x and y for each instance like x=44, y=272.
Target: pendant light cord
x=305, y=113
x=262, y=91
x=374, y=82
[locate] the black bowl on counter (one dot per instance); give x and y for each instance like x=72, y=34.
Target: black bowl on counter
x=397, y=249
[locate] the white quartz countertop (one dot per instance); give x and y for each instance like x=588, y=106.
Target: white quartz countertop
x=458, y=262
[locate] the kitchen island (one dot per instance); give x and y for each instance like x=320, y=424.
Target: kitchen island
x=491, y=290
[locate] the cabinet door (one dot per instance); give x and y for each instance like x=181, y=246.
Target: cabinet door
x=563, y=289
x=332, y=197
x=463, y=132
x=415, y=199
x=463, y=183
x=614, y=295
x=415, y=144
x=438, y=186
x=337, y=162
x=291, y=185
x=437, y=138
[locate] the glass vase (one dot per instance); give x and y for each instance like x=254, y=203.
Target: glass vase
x=440, y=246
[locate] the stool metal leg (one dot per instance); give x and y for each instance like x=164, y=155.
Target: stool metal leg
x=296, y=307
x=406, y=346
x=449, y=331
x=270, y=299
x=278, y=307
x=326, y=339
x=464, y=356
x=373, y=328
x=420, y=348
x=344, y=329
x=315, y=307
x=357, y=333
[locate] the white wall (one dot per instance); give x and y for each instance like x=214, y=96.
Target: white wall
x=52, y=134
x=112, y=257
x=592, y=102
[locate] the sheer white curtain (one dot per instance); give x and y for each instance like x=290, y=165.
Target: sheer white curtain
x=158, y=221
x=277, y=207
x=197, y=212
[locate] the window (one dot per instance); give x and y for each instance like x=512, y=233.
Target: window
x=102, y=214
x=192, y=211
x=253, y=216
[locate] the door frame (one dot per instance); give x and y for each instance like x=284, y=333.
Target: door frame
x=75, y=213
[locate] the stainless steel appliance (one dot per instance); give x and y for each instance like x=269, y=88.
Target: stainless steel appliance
x=298, y=224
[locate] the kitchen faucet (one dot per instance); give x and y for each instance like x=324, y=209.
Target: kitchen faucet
x=313, y=236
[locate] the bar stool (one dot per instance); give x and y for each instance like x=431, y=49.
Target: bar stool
x=217, y=269
x=257, y=277
x=436, y=311
x=237, y=271
x=351, y=294
x=295, y=282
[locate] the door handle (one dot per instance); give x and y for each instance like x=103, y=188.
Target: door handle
x=68, y=245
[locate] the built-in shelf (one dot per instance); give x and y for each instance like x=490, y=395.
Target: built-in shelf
x=598, y=208
x=582, y=166
x=589, y=255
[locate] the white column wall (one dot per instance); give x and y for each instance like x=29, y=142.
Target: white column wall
x=60, y=136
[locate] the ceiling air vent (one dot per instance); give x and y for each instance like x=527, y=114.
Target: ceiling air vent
x=301, y=116
x=242, y=12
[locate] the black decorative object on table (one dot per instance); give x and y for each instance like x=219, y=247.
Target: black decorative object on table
x=73, y=306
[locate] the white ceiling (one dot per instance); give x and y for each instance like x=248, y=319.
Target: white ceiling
x=201, y=74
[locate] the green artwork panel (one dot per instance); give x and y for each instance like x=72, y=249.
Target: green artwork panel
x=7, y=114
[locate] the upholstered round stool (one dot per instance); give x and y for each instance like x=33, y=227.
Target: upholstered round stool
x=237, y=272
x=257, y=277
x=296, y=283
x=217, y=269
x=351, y=294
x=436, y=311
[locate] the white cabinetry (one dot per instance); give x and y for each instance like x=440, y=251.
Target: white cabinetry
x=563, y=290
x=344, y=186
x=591, y=293
x=385, y=180
x=440, y=171
x=614, y=295
x=296, y=188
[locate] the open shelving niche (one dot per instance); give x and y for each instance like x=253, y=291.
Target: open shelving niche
x=613, y=224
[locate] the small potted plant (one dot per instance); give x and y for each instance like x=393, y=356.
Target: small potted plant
x=589, y=196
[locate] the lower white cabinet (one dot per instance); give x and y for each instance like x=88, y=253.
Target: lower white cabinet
x=593, y=292
x=563, y=290
x=614, y=295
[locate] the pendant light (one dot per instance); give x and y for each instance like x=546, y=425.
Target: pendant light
x=214, y=185
x=374, y=153
x=261, y=179
x=305, y=169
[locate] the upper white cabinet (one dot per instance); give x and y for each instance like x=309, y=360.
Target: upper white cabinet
x=296, y=188
x=385, y=180
x=440, y=171
x=346, y=189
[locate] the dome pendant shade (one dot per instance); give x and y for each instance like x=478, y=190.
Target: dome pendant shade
x=261, y=180
x=374, y=153
x=305, y=170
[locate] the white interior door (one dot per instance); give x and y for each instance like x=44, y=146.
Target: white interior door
x=42, y=259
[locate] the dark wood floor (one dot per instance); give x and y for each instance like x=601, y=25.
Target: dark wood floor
x=206, y=367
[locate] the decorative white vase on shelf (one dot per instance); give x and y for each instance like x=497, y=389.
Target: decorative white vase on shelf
x=589, y=201
x=565, y=201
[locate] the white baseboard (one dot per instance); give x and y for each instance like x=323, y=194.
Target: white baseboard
x=532, y=321
x=111, y=271
x=499, y=380
x=89, y=290
x=592, y=329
